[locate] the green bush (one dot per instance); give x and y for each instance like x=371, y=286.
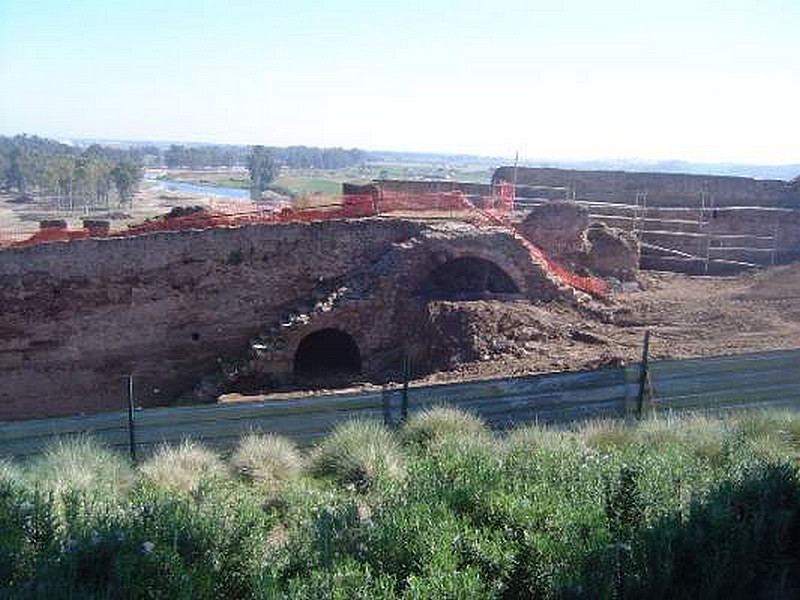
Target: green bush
x=694, y=507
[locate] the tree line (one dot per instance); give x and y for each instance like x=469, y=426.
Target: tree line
x=76, y=178
x=293, y=157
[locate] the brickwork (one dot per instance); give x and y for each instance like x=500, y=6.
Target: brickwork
x=186, y=308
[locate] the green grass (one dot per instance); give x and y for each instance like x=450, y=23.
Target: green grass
x=693, y=507
x=329, y=182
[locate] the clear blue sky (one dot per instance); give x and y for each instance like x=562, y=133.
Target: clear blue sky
x=714, y=80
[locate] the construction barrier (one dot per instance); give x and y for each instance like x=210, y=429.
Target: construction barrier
x=494, y=210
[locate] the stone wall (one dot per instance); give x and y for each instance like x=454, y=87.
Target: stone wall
x=178, y=309
x=418, y=187
x=663, y=189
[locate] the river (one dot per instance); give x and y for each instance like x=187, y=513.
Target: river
x=200, y=190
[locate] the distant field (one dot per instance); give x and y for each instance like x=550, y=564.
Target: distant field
x=322, y=181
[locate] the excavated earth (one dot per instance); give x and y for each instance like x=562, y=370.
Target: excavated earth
x=687, y=317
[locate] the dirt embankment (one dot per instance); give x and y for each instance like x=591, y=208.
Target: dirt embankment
x=687, y=316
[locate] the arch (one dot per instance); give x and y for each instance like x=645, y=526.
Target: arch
x=327, y=353
x=468, y=276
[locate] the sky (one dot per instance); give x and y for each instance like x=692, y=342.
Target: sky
x=699, y=80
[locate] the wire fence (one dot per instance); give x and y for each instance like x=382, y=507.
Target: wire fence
x=715, y=384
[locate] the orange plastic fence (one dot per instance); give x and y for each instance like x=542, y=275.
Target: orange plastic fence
x=495, y=210
x=591, y=285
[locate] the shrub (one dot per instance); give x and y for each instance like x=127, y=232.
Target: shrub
x=359, y=453
x=349, y=580
x=182, y=468
x=80, y=465
x=435, y=424
x=267, y=459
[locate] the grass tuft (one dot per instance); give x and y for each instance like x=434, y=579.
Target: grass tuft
x=604, y=435
x=434, y=425
x=359, y=453
x=267, y=459
x=80, y=465
x=182, y=468
x=10, y=475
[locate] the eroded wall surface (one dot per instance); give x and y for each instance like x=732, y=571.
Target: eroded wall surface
x=177, y=309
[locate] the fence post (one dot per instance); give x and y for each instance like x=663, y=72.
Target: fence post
x=406, y=376
x=386, y=406
x=644, y=376
x=131, y=431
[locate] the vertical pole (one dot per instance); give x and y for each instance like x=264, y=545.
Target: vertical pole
x=644, y=376
x=131, y=432
x=775, y=232
x=406, y=375
x=386, y=406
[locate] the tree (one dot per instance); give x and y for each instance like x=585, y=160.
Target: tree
x=262, y=170
x=21, y=170
x=126, y=177
x=4, y=164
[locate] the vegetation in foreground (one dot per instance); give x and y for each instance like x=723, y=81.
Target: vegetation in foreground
x=442, y=508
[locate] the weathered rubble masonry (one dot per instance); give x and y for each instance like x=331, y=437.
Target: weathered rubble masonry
x=196, y=313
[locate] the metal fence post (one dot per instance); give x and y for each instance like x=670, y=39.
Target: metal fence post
x=406, y=376
x=131, y=430
x=386, y=406
x=644, y=376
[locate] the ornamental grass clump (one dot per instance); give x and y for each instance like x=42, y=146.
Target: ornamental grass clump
x=359, y=453
x=434, y=425
x=10, y=475
x=604, y=435
x=182, y=468
x=270, y=460
x=80, y=465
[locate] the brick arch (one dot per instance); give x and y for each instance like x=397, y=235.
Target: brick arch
x=326, y=351
x=467, y=275
x=516, y=274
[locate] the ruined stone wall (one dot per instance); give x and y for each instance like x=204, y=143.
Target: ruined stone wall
x=425, y=187
x=663, y=189
x=175, y=309
x=78, y=317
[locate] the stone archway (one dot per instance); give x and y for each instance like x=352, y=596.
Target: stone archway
x=327, y=353
x=467, y=276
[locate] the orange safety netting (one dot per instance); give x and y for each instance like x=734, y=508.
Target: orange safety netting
x=591, y=285
x=494, y=209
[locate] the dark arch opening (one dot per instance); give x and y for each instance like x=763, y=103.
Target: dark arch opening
x=467, y=277
x=327, y=353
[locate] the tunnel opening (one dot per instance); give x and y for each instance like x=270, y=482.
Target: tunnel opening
x=327, y=354
x=468, y=277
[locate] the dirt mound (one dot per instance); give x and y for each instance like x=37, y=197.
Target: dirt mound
x=557, y=227
x=687, y=316
x=497, y=332
x=611, y=252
